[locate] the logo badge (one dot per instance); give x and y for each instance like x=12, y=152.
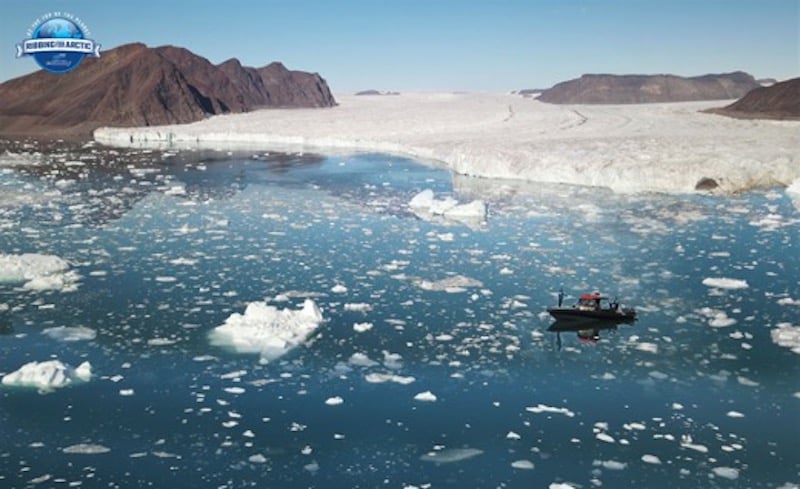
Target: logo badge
x=57, y=42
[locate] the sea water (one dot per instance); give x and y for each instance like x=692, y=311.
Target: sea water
x=433, y=365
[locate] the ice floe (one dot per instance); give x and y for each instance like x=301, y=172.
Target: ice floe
x=725, y=283
x=786, y=335
x=426, y=396
x=450, y=455
x=454, y=284
x=69, y=334
x=38, y=272
x=612, y=146
x=86, y=449
x=267, y=330
x=48, y=375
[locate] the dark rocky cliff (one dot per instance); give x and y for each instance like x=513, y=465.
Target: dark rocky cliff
x=134, y=85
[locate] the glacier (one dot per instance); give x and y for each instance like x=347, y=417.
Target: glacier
x=627, y=148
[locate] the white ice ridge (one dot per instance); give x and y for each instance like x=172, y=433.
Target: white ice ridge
x=267, y=330
x=38, y=272
x=48, y=375
x=628, y=148
x=793, y=191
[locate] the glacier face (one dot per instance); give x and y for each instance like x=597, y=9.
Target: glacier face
x=627, y=148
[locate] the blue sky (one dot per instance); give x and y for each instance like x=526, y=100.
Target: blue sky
x=445, y=44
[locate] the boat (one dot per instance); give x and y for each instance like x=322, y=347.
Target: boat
x=594, y=307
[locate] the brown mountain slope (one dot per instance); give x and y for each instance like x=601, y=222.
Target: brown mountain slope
x=639, y=89
x=779, y=101
x=134, y=85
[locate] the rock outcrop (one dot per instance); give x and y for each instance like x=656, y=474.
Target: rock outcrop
x=778, y=101
x=640, y=89
x=134, y=85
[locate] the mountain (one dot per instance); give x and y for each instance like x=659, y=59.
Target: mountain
x=641, y=89
x=133, y=85
x=778, y=101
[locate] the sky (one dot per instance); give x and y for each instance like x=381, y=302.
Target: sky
x=444, y=44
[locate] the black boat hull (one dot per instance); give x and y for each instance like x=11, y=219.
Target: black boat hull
x=575, y=314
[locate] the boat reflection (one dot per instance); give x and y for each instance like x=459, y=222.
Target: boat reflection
x=587, y=330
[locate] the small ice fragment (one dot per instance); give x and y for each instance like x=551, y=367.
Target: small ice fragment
x=651, y=459
x=257, y=459
x=362, y=327
x=512, y=436
x=605, y=437
x=726, y=472
x=450, y=455
x=522, y=464
x=725, y=283
x=334, y=401
x=735, y=414
x=85, y=449
x=339, y=289
x=426, y=396
x=126, y=392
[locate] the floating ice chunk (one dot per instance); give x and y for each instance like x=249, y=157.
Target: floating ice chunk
x=85, y=449
x=726, y=472
x=454, y=284
x=735, y=414
x=48, y=375
x=541, y=408
x=717, y=318
x=787, y=336
x=65, y=333
x=257, y=459
x=359, y=307
x=522, y=464
x=788, y=301
x=38, y=272
x=687, y=442
x=512, y=436
x=425, y=203
x=362, y=327
x=378, y=378
x=450, y=455
x=605, y=437
x=361, y=360
x=725, y=283
x=610, y=464
x=651, y=459
x=267, y=330
x=563, y=485
x=126, y=392
x=334, y=401
x=339, y=289
x=426, y=396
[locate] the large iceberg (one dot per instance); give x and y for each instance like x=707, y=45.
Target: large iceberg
x=426, y=205
x=48, y=375
x=628, y=148
x=267, y=330
x=38, y=272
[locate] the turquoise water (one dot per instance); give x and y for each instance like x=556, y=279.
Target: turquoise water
x=167, y=254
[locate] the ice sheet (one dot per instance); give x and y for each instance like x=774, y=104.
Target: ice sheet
x=628, y=148
x=267, y=330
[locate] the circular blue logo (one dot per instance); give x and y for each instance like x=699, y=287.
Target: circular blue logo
x=58, y=62
x=58, y=45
